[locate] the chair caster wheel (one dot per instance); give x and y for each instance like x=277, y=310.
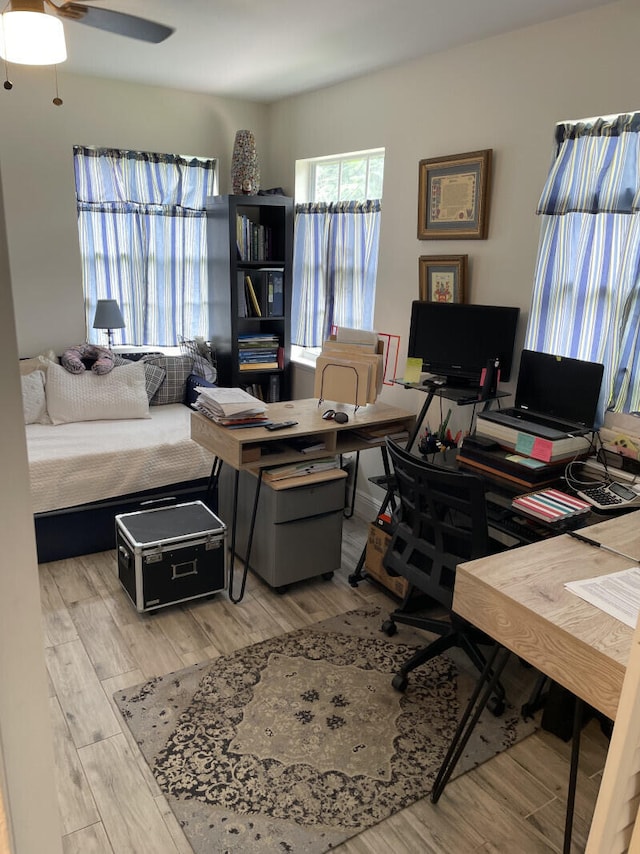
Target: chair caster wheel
x=496, y=706
x=327, y=576
x=353, y=579
x=389, y=628
x=399, y=682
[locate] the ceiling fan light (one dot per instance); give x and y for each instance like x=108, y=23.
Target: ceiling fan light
x=32, y=38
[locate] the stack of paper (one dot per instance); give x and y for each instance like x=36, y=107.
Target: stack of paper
x=300, y=469
x=230, y=406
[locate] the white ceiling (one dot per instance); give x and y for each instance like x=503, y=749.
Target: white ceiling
x=264, y=50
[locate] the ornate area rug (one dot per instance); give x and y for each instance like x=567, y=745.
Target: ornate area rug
x=299, y=742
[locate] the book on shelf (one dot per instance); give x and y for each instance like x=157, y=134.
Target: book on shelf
x=545, y=450
x=253, y=298
x=550, y=505
x=275, y=293
x=300, y=469
x=253, y=240
x=274, y=388
x=258, y=366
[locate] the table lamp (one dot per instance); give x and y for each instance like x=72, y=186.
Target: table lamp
x=108, y=316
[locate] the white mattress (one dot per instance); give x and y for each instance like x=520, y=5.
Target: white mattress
x=87, y=461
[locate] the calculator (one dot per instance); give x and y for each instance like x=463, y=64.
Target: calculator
x=610, y=496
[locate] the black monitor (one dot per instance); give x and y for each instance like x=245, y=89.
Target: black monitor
x=456, y=340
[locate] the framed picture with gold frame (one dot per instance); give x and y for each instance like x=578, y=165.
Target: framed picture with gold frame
x=453, y=196
x=442, y=278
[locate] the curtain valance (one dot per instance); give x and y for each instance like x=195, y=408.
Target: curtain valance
x=596, y=167
x=370, y=206
x=110, y=176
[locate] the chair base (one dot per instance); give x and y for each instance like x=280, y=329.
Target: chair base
x=451, y=634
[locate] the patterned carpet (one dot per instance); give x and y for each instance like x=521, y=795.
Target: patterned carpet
x=299, y=742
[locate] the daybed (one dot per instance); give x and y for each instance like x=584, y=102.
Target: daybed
x=102, y=445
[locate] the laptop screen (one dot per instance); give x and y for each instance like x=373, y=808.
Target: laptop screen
x=562, y=388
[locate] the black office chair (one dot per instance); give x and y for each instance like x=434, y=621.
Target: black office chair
x=441, y=522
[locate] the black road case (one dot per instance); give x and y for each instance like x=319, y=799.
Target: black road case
x=172, y=554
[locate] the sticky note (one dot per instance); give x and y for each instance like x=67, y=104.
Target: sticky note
x=524, y=444
x=413, y=370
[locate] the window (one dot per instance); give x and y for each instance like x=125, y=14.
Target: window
x=142, y=228
x=586, y=297
x=337, y=229
x=350, y=177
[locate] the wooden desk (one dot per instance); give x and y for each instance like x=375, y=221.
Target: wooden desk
x=256, y=448
x=251, y=448
x=519, y=599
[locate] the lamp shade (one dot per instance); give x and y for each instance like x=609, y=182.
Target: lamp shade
x=108, y=315
x=32, y=38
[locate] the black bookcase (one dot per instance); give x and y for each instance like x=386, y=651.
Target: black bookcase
x=250, y=248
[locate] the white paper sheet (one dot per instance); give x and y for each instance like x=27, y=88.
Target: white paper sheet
x=617, y=594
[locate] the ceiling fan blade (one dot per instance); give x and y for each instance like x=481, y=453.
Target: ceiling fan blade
x=120, y=23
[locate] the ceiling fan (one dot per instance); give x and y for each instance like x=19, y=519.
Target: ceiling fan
x=121, y=23
x=31, y=34
x=39, y=35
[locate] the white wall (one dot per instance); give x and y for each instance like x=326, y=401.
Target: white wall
x=26, y=747
x=36, y=163
x=504, y=93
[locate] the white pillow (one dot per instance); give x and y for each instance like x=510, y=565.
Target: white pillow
x=89, y=397
x=34, y=402
x=37, y=363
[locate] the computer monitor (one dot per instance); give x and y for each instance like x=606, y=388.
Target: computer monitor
x=456, y=340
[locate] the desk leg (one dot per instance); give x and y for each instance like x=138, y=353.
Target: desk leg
x=353, y=487
x=573, y=774
x=357, y=576
x=212, y=484
x=419, y=420
x=489, y=678
x=252, y=526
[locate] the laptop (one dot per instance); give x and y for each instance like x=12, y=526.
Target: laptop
x=555, y=397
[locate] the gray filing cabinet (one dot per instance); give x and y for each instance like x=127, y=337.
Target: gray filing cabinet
x=298, y=531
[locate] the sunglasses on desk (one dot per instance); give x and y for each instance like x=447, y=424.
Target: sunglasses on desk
x=338, y=417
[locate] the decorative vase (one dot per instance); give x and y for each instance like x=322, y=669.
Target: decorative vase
x=245, y=169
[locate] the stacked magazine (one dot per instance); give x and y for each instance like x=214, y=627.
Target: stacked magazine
x=231, y=407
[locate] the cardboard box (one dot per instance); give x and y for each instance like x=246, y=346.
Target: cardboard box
x=376, y=547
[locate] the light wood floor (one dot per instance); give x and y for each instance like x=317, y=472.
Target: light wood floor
x=95, y=643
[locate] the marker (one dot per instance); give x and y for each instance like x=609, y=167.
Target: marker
x=601, y=546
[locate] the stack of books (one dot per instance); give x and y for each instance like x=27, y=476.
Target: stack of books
x=544, y=450
x=517, y=468
x=550, y=505
x=258, y=351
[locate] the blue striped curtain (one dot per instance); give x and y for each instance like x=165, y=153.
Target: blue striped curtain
x=142, y=227
x=586, y=296
x=335, y=263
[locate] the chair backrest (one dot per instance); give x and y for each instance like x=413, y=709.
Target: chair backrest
x=441, y=522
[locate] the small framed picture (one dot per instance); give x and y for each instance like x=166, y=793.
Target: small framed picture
x=453, y=196
x=442, y=278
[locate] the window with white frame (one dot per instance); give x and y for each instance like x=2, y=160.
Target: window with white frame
x=142, y=230
x=337, y=226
